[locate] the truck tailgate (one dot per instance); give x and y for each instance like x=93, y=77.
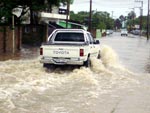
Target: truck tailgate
x=61, y=51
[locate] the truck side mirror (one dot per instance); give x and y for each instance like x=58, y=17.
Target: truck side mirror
x=97, y=42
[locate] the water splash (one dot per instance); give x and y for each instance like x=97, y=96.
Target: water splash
x=108, y=56
x=28, y=87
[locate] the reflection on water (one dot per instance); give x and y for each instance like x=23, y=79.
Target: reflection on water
x=27, y=87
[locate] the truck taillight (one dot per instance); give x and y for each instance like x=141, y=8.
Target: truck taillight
x=81, y=52
x=41, y=51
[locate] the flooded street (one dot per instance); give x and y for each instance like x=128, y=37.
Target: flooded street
x=133, y=51
x=117, y=83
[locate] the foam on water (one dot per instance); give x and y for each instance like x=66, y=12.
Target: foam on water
x=26, y=87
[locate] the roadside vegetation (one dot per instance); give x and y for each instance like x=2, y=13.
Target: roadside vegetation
x=100, y=20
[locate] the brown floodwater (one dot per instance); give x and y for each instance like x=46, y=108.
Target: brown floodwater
x=117, y=83
x=26, y=52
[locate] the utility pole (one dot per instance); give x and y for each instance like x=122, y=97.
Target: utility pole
x=141, y=15
x=15, y=12
x=148, y=22
x=68, y=10
x=13, y=34
x=90, y=16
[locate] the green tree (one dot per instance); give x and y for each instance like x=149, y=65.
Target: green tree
x=101, y=25
x=118, y=23
x=131, y=15
x=136, y=21
x=100, y=20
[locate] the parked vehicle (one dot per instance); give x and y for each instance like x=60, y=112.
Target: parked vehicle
x=108, y=32
x=69, y=47
x=135, y=32
x=124, y=32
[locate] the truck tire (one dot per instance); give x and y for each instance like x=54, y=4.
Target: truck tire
x=87, y=63
x=48, y=66
x=45, y=65
x=99, y=56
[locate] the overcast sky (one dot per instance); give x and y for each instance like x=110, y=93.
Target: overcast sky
x=114, y=7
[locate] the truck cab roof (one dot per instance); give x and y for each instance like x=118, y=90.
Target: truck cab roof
x=66, y=34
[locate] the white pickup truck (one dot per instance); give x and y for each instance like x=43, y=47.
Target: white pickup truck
x=69, y=47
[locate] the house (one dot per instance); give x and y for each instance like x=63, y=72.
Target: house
x=37, y=33
x=47, y=22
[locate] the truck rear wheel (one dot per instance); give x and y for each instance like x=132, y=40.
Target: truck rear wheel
x=45, y=65
x=87, y=63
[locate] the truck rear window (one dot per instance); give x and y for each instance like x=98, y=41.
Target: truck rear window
x=69, y=37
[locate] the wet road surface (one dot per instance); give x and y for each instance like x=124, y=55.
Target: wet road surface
x=118, y=83
x=133, y=51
